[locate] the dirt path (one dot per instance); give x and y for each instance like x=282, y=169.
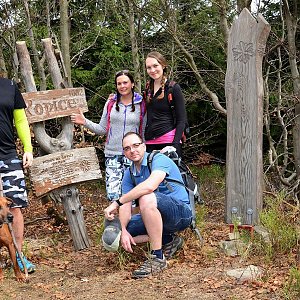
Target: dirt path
x=87, y=275
x=96, y=274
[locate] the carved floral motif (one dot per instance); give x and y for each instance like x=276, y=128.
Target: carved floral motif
x=243, y=52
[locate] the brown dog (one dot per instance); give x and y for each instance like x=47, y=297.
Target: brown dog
x=6, y=238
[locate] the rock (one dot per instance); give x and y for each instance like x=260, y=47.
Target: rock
x=233, y=248
x=242, y=274
x=263, y=233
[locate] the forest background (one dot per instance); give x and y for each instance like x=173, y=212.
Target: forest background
x=97, y=38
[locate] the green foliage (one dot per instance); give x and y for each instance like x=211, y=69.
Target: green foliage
x=283, y=233
x=98, y=230
x=209, y=173
x=123, y=258
x=211, y=179
x=201, y=212
x=25, y=248
x=101, y=45
x=291, y=288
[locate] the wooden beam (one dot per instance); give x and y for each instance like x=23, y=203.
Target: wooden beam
x=64, y=168
x=244, y=103
x=46, y=105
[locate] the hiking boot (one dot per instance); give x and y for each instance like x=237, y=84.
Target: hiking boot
x=151, y=266
x=30, y=266
x=172, y=247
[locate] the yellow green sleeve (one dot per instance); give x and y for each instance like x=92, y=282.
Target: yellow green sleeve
x=23, y=129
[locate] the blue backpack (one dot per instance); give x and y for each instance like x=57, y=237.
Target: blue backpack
x=188, y=182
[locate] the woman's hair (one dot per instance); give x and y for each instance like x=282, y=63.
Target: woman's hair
x=126, y=73
x=150, y=89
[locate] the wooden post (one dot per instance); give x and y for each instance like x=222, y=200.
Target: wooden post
x=244, y=96
x=67, y=195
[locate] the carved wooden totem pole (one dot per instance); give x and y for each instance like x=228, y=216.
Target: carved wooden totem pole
x=61, y=167
x=244, y=98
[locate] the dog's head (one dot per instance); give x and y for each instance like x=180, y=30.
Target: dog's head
x=5, y=214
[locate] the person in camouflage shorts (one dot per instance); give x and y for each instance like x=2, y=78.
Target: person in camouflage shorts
x=13, y=181
x=123, y=112
x=115, y=167
x=12, y=112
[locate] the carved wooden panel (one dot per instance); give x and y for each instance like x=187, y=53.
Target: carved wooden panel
x=46, y=105
x=59, y=169
x=244, y=103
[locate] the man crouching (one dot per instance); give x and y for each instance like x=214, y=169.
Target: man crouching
x=163, y=206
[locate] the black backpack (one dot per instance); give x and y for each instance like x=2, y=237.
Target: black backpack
x=186, y=131
x=189, y=183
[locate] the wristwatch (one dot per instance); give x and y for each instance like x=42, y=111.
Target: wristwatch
x=119, y=203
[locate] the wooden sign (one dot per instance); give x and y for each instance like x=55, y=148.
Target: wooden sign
x=59, y=169
x=46, y=105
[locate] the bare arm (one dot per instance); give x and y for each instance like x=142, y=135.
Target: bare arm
x=125, y=216
x=146, y=187
x=98, y=128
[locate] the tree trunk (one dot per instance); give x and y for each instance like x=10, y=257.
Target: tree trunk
x=25, y=66
x=3, y=70
x=291, y=25
x=34, y=49
x=134, y=46
x=65, y=38
x=74, y=214
x=223, y=22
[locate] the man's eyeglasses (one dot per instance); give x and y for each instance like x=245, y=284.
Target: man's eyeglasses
x=133, y=146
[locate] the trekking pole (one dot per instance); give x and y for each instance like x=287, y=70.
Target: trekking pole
x=12, y=234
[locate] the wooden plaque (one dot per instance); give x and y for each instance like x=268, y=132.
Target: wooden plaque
x=50, y=104
x=59, y=169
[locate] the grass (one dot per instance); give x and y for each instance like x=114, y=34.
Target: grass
x=291, y=288
x=98, y=230
x=215, y=173
x=211, y=181
x=282, y=230
x=277, y=218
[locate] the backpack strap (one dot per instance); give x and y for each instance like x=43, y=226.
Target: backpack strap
x=149, y=165
x=142, y=114
x=131, y=175
x=170, y=96
x=136, y=201
x=166, y=180
x=146, y=91
x=172, y=106
x=110, y=105
x=150, y=159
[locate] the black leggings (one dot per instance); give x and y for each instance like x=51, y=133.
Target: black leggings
x=151, y=147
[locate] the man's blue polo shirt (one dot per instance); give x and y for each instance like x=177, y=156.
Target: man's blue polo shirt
x=163, y=163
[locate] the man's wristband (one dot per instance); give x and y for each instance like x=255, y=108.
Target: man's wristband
x=119, y=203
